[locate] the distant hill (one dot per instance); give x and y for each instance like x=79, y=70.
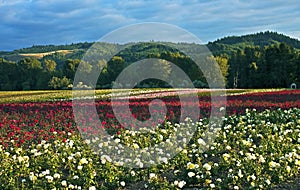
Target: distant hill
x=225, y=45
x=260, y=39
x=52, y=48
x=233, y=43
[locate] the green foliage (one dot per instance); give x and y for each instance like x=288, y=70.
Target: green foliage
x=7, y=75
x=49, y=65
x=59, y=83
x=28, y=70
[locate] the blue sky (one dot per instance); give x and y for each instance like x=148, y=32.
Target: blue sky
x=24, y=23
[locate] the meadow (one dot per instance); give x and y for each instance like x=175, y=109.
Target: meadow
x=257, y=145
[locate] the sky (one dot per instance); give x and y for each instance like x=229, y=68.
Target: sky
x=24, y=23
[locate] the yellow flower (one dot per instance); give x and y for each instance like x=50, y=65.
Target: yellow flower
x=83, y=161
x=207, y=181
x=49, y=178
x=190, y=166
x=135, y=146
x=273, y=164
x=226, y=156
x=26, y=158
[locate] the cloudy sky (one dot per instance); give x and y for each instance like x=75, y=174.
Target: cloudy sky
x=24, y=23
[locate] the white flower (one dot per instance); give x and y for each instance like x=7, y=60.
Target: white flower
x=56, y=175
x=164, y=160
x=228, y=147
x=46, y=172
x=75, y=177
x=122, y=183
x=79, y=167
x=71, y=143
x=64, y=183
x=261, y=159
x=77, y=154
x=46, y=146
x=250, y=156
x=152, y=175
x=105, y=158
x=201, y=142
x=207, y=166
x=20, y=159
x=33, y=151
x=176, y=182
x=92, y=188
x=240, y=174
x=181, y=184
x=191, y=174
x=132, y=173
x=117, y=140
x=251, y=177
x=49, y=178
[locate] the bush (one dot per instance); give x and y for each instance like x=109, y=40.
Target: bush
x=59, y=83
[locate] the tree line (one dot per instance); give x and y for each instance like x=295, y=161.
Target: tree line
x=271, y=66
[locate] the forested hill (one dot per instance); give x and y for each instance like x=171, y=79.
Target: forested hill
x=233, y=43
x=260, y=39
x=262, y=60
x=226, y=45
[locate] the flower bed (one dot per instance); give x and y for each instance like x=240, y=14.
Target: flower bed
x=41, y=146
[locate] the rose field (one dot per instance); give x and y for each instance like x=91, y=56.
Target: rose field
x=256, y=146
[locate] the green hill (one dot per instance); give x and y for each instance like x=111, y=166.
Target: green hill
x=225, y=45
x=233, y=43
x=261, y=60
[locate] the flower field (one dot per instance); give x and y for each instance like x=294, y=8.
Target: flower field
x=257, y=147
